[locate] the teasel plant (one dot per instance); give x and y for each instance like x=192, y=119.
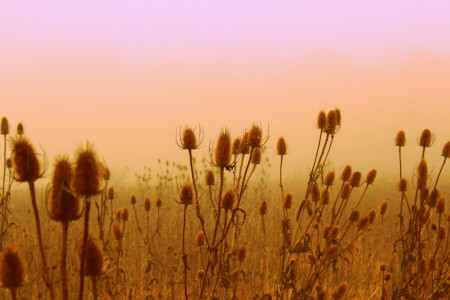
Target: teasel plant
x=13, y=270
x=89, y=251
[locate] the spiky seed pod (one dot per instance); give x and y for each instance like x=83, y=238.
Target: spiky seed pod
x=20, y=130
x=432, y=265
x=331, y=122
x=383, y=267
x=147, y=204
x=255, y=136
x=322, y=120
x=25, y=162
x=106, y=173
x=346, y=191
x=334, y=233
x=346, y=173
x=86, y=179
x=242, y=251
x=158, y=202
x=425, y=138
x=209, y=178
x=308, y=206
x=440, y=206
x=354, y=216
x=325, y=197
x=339, y=291
x=387, y=276
x=423, y=266
x=118, y=214
x=403, y=185
x=117, y=231
x=125, y=214
x=372, y=216
x=315, y=193
x=400, y=139
x=93, y=259
x=223, y=149
x=189, y=140
x=244, y=147
x=111, y=193
x=235, y=146
x=64, y=205
x=287, y=201
x=329, y=178
x=442, y=233
x=200, y=239
x=331, y=251
x=281, y=146
x=363, y=223
x=326, y=231
x=434, y=197
x=312, y=259
x=355, y=180
x=421, y=182
x=370, y=178
x=186, y=194
x=228, y=200
x=133, y=200
x=200, y=274
x=256, y=156
x=9, y=163
x=338, y=116
x=4, y=127
x=424, y=194
x=434, y=226
x=383, y=208
x=12, y=268
x=262, y=210
x=422, y=168
x=446, y=150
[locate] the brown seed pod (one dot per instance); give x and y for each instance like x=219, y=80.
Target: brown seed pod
x=209, y=178
x=186, y=194
x=421, y=182
x=25, y=162
x=133, y=200
x=256, y=156
x=117, y=231
x=200, y=239
x=355, y=180
x=331, y=251
x=400, y=139
x=446, y=150
x=422, y=168
x=13, y=269
x=403, y=185
x=287, y=201
x=147, y=204
x=241, y=253
x=354, y=216
x=338, y=116
x=322, y=120
x=434, y=197
x=434, y=226
x=235, y=146
x=329, y=178
x=331, y=122
x=86, y=179
x=372, y=216
x=363, y=223
x=326, y=231
x=383, y=208
x=370, y=178
x=440, y=206
x=9, y=163
x=106, y=173
x=255, y=136
x=125, y=214
x=334, y=233
x=189, y=139
x=262, y=210
x=111, y=193
x=383, y=267
x=4, y=127
x=339, y=291
x=424, y=194
x=20, y=130
x=442, y=233
x=117, y=214
x=244, y=147
x=281, y=146
x=223, y=149
x=325, y=197
x=94, y=257
x=346, y=173
x=387, y=276
x=346, y=191
x=315, y=193
x=200, y=274
x=228, y=200
x=426, y=138
x=158, y=202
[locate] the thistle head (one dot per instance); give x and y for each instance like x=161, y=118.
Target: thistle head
x=262, y=210
x=222, y=157
x=111, y=193
x=186, y=194
x=256, y=156
x=255, y=136
x=25, y=162
x=147, y=204
x=244, y=147
x=242, y=251
x=355, y=180
x=87, y=173
x=124, y=214
x=331, y=122
x=4, y=126
x=158, y=202
x=322, y=120
x=281, y=146
x=235, y=146
x=13, y=269
x=426, y=138
x=209, y=178
x=93, y=264
x=329, y=178
x=339, y=291
x=383, y=208
x=133, y=200
x=446, y=150
x=228, y=200
x=370, y=178
x=287, y=201
x=20, y=130
x=200, y=239
x=346, y=173
x=400, y=139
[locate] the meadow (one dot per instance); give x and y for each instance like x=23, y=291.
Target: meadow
x=221, y=227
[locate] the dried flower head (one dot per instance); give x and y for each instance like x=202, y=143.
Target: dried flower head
x=331, y=251
x=255, y=136
x=315, y=193
x=117, y=214
x=338, y=116
x=334, y=233
x=200, y=274
x=354, y=216
x=346, y=173
x=403, y=185
x=346, y=191
x=186, y=194
x=106, y=172
x=325, y=196
x=400, y=139
x=9, y=163
x=383, y=267
x=426, y=138
x=422, y=168
x=235, y=146
x=158, y=202
x=117, y=231
x=20, y=130
x=133, y=200
x=322, y=120
x=228, y=200
x=355, y=180
x=125, y=214
x=223, y=150
x=329, y=178
x=86, y=179
x=256, y=156
x=440, y=206
x=331, y=122
x=25, y=162
x=434, y=197
x=372, y=216
x=4, y=127
x=200, y=239
x=12, y=268
x=111, y=193
x=287, y=201
x=189, y=139
x=387, y=276
x=241, y=253
x=363, y=223
x=93, y=257
x=244, y=147
x=446, y=150
x=209, y=178
x=383, y=208
x=422, y=182
x=262, y=210
x=147, y=204
x=370, y=178
x=281, y=146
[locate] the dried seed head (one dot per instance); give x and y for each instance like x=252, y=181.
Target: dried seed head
x=125, y=214
x=312, y=259
x=434, y=197
x=354, y=216
x=287, y=201
x=346, y=173
x=9, y=163
x=425, y=138
x=200, y=274
x=423, y=266
x=20, y=130
x=94, y=257
x=326, y=231
x=346, y=191
x=223, y=149
x=331, y=251
x=432, y=263
x=440, y=206
x=338, y=116
x=133, y=200
x=86, y=179
x=339, y=291
x=355, y=180
x=106, y=173
x=255, y=136
x=325, y=197
x=117, y=231
x=186, y=194
x=200, y=239
x=383, y=208
x=370, y=178
x=329, y=179
x=25, y=162
x=4, y=127
x=421, y=183
x=147, y=204
x=446, y=150
x=209, y=178
x=334, y=233
x=158, y=202
x=308, y=206
x=64, y=205
x=262, y=210
x=235, y=146
x=315, y=193
x=424, y=194
x=372, y=216
x=403, y=185
x=228, y=200
x=331, y=122
x=12, y=268
x=111, y=193
x=363, y=223
x=244, y=147
x=434, y=226
x=387, y=276
x=241, y=253
x=442, y=233
x=118, y=214
x=422, y=169
x=189, y=140
x=256, y=156
x=383, y=267
x=400, y=139
x=322, y=120
x=281, y=146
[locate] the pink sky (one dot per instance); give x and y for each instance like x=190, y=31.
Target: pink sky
x=125, y=74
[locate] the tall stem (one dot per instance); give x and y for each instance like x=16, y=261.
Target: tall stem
x=83, y=249
x=64, y=280
x=184, y=253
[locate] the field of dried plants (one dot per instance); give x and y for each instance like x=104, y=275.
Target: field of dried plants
x=222, y=228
